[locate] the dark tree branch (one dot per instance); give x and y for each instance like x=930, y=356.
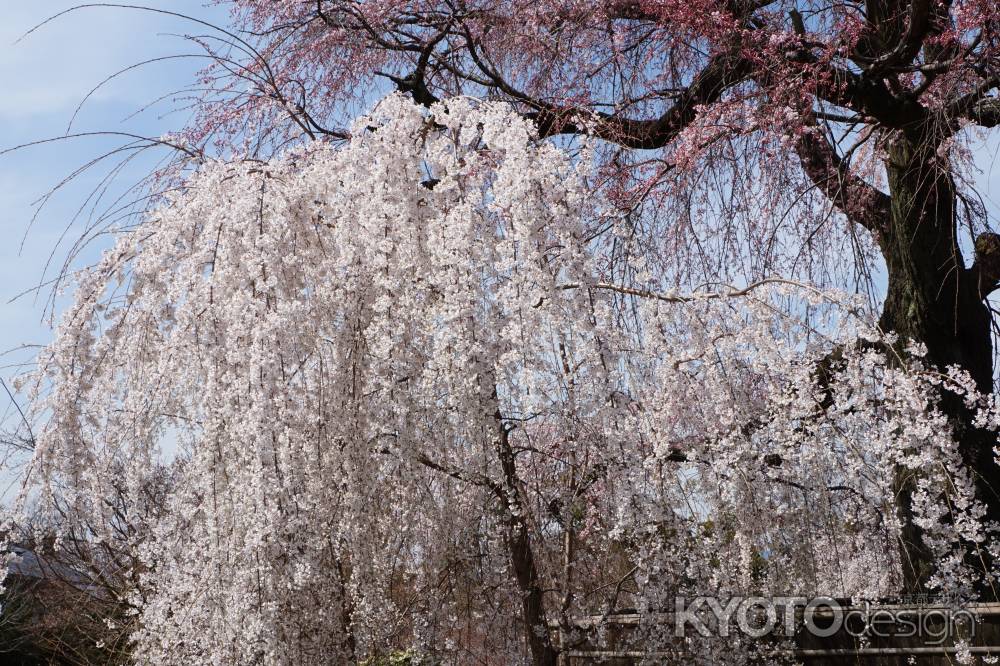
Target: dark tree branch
x=722, y=72
x=918, y=27
x=416, y=82
x=521, y=551
x=859, y=201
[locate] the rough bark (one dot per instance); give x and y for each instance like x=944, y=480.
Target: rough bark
x=934, y=299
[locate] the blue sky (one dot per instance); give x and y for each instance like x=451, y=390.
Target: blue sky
x=46, y=75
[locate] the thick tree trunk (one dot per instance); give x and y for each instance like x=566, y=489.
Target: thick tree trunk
x=933, y=298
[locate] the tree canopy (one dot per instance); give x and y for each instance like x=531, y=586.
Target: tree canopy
x=607, y=303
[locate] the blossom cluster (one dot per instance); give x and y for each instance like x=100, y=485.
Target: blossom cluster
x=402, y=392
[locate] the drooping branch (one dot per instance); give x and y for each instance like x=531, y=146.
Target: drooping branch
x=732, y=292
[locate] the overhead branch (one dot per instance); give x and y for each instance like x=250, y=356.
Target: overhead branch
x=862, y=93
x=722, y=72
x=831, y=174
x=416, y=82
x=920, y=22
